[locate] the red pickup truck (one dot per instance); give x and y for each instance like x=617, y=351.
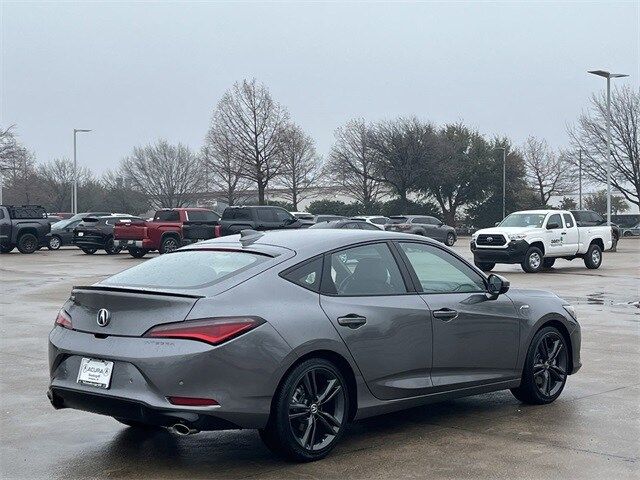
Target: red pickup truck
x=169, y=230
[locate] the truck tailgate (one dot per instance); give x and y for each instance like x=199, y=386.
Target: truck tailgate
x=130, y=231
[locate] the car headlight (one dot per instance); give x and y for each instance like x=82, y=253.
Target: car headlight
x=518, y=236
x=571, y=311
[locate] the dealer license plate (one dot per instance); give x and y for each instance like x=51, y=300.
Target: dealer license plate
x=96, y=373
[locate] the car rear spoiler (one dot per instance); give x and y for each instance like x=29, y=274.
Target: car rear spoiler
x=144, y=291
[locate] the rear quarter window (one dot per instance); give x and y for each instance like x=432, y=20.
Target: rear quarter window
x=189, y=269
x=307, y=275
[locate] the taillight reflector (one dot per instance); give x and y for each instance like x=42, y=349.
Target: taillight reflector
x=64, y=319
x=212, y=330
x=192, y=402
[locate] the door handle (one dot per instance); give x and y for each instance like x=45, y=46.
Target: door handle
x=563, y=233
x=445, y=314
x=352, y=321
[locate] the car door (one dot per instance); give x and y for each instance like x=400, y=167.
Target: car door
x=553, y=235
x=475, y=338
x=571, y=237
x=5, y=225
x=385, y=326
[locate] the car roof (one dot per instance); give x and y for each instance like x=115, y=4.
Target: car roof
x=310, y=242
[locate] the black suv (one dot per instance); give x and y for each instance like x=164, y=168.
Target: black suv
x=24, y=226
x=95, y=233
x=235, y=219
x=423, y=225
x=589, y=218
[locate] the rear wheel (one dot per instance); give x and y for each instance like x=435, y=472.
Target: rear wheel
x=545, y=370
x=54, y=243
x=27, y=243
x=138, y=252
x=547, y=263
x=309, y=413
x=485, y=266
x=532, y=262
x=451, y=239
x=111, y=248
x=169, y=244
x=89, y=251
x=593, y=257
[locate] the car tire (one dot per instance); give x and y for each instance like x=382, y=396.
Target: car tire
x=547, y=263
x=89, y=251
x=543, y=366
x=532, y=262
x=627, y=234
x=303, y=426
x=614, y=243
x=485, y=266
x=6, y=248
x=593, y=257
x=27, y=243
x=169, y=244
x=450, y=240
x=138, y=252
x=110, y=247
x=54, y=243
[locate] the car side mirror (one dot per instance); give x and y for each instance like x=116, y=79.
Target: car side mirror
x=552, y=226
x=497, y=285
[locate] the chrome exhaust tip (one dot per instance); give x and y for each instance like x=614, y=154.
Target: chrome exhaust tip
x=182, y=429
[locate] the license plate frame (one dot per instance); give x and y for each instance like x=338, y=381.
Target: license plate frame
x=95, y=373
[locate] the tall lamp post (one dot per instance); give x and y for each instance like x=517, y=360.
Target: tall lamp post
x=74, y=193
x=608, y=76
x=504, y=179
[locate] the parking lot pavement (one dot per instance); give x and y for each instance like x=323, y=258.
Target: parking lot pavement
x=591, y=431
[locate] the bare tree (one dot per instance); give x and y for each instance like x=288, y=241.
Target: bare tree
x=223, y=163
x=9, y=147
x=547, y=172
x=57, y=180
x=590, y=136
x=352, y=163
x=300, y=165
x=253, y=123
x=169, y=175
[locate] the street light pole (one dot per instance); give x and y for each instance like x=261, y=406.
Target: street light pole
x=580, y=179
x=608, y=76
x=504, y=179
x=74, y=193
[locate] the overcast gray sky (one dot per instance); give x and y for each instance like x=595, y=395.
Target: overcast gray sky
x=135, y=72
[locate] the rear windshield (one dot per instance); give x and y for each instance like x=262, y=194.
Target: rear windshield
x=202, y=216
x=187, y=269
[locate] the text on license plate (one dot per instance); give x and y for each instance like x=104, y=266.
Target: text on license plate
x=94, y=372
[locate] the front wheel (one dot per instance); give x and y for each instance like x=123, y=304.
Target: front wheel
x=27, y=243
x=532, y=262
x=545, y=369
x=593, y=257
x=485, y=266
x=309, y=413
x=54, y=243
x=450, y=240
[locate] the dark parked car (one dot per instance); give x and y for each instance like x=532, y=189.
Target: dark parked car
x=346, y=223
x=24, y=226
x=423, y=225
x=589, y=218
x=96, y=233
x=298, y=333
x=236, y=219
x=62, y=232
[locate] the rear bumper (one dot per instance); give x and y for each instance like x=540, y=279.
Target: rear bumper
x=513, y=253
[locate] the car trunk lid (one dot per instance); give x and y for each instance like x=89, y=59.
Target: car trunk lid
x=130, y=312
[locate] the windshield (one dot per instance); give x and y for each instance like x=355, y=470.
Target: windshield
x=533, y=220
x=61, y=224
x=187, y=269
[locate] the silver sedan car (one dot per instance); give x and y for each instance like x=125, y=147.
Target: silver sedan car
x=299, y=333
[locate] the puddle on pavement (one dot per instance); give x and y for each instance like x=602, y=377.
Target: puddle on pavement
x=600, y=298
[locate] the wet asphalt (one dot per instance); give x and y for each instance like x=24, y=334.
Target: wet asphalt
x=591, y=431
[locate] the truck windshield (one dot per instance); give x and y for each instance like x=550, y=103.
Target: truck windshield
x=533, y=220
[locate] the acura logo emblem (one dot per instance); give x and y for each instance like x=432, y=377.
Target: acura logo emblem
x=103, y=317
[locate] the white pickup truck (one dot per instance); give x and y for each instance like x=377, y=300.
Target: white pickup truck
x=535, y=238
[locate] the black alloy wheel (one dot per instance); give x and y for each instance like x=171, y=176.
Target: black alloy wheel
x=110, y=247
x=27, y=243
x=546, y=368
x=169, y=244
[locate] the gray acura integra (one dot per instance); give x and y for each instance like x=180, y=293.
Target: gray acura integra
x=298, y=333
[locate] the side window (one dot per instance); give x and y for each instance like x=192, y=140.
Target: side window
x=265, y=215
x=306, y=275
x=282, y=215
x=367, y=226
x=555, y=218
x=167, y=216
x=597, y=219
x=351, y=226
x=362, y=271
x=439, y=271
x=568, y=221
x=202, y=216
x=379, y=221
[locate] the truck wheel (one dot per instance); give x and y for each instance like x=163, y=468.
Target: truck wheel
x=89, y=251
x=485, y=266
x=169, y=244
x=532, y=262
x=593, y=257
x=54, y=243
x=111, y=248
x=614, y=243
x=6, y=248
x=138, y=252
x=27, y=243
x=547, y=263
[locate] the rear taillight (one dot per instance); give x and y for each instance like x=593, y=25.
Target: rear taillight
x=217, y=231
x=64, y=319
x=211, y=330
